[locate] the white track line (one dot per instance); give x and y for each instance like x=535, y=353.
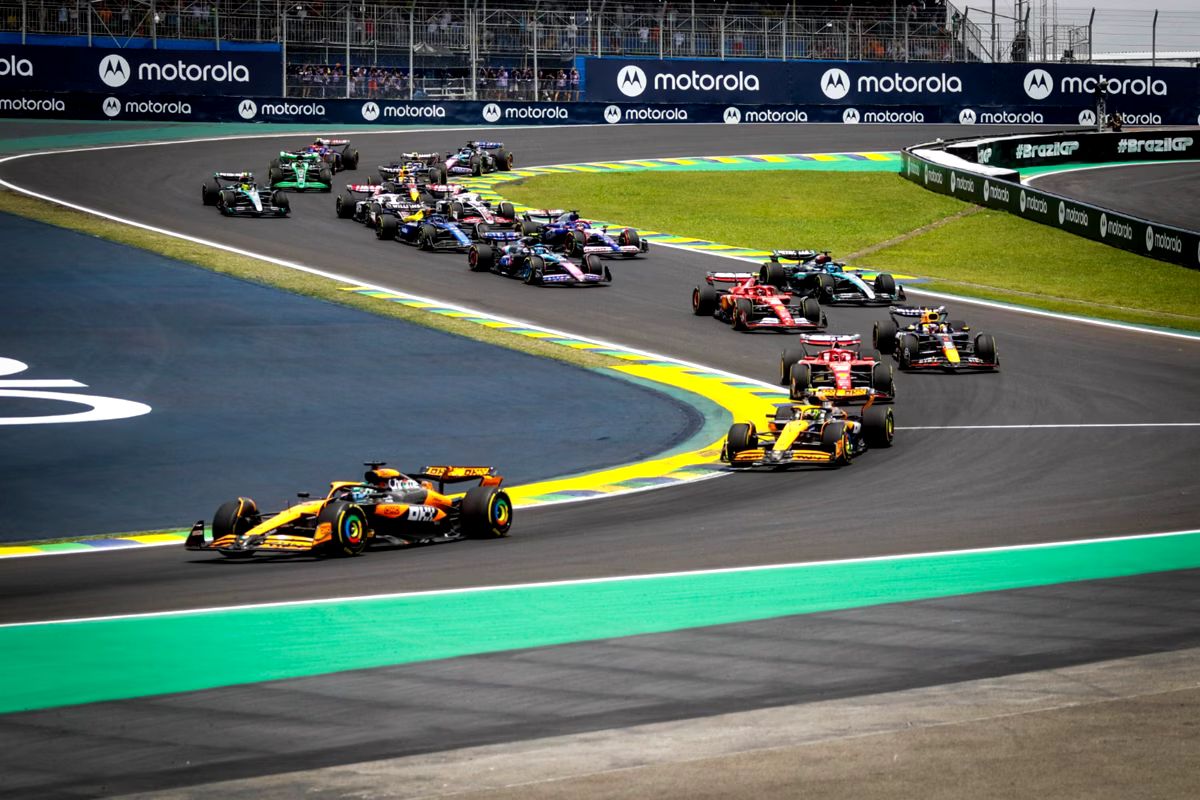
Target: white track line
x=615, y=578
x=1061, y=425
x=1039, y=176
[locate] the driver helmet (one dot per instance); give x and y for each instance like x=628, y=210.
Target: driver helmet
x=381, y=478
x=822, y=258
x=247, y=186
x=529, y=241
x=931, y=316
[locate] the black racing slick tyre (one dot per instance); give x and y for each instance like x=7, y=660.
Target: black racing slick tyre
x=476, y=166
x=226, y=202
x=825, y=288
x=575, y=243
x=882, y=379
x=349, y=158
x=907, y=350
x=985, y=348
x=742, y=436
x=773, y=274
x=879, y=427
x=743, y=312
x=480, y=258
x=704, y=300
x=592, y=264
x=280, y=200
x=485, y=513
x=504, y=160
x=506, y=210
x=274, y=175
x=209, y=191
x=801, y=381
x=629, y=237
x=885, y=284
x=811, y=310
x=348, y=528
x=325, y=176
x=530, y=228
x=234, y=519
x=884, y=336
x=426, y=236
x=437, y=175
x=790, y=356
x=344, y=205
x=456, y=210
x=386, y=226
x=835, y=442
x=537, y=268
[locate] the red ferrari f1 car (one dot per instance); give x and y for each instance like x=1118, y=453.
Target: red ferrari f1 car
x=739, y=299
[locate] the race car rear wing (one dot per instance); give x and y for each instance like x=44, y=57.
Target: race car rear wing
x=422, y=157
x=486, y=145
x=364, y=188
x=449, y=474
x=448, y=188
x=332, y=142
x=729, y=277
x=234, y=176
x=915, y=311
x=831, y=339
x=795, y=255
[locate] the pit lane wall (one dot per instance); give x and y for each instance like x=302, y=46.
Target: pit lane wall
x=986, y=171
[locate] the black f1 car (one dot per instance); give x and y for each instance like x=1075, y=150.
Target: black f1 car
x=235, y=194
x=923, y=338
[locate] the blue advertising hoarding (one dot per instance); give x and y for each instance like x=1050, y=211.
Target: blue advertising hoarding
x=34, y=68
x=1019, y=88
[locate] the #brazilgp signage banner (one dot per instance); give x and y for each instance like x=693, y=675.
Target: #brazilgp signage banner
x=982, y=93
x=33, y=68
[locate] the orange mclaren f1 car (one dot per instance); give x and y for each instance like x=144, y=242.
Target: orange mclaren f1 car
x=386, y=508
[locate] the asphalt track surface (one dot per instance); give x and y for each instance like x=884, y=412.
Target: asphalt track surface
x=936, y=490
x=309, y=389
x=1168, y=193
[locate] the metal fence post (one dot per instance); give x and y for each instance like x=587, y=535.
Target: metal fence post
x=154, y=24
x=786, y=13
x=88, y=11
x=1091, y=19
x=412, y=44
x=283, y=44
x=723, y=13
x=537, y=93
x=693, y=27
x=846, y=52
x=216, y=10
x=23, y=23
x=348, y=7
x=1154, y=40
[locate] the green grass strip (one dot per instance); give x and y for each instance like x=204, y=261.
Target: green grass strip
x=48, y=665
x=989, y=254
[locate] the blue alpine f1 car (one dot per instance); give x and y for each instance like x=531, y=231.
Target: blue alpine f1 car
x=537, y=265
x=432, y=231
x=564, y=230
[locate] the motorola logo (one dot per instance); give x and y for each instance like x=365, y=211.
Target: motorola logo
x=732, y=116
x=1038, y=84
x=491, y=112
x=1087, y=117
x=1062, y=212
x=631, y=80
x=114, y=70
x=850, y=116
x=370, y=111
x=612, y=114
x=835, y=84
x=952, y=177
x=966, y=116
x=1149, y=238
x=247, y=109
x=111, y=106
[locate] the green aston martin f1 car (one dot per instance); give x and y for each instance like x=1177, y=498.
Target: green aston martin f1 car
x=306, y=172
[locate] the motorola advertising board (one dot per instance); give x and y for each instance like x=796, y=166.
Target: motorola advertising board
x=115, y=71
x=1127, y=232
x=1005, y=91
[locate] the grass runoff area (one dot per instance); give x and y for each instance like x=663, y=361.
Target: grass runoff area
x=268, y=274
x=881, y=221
